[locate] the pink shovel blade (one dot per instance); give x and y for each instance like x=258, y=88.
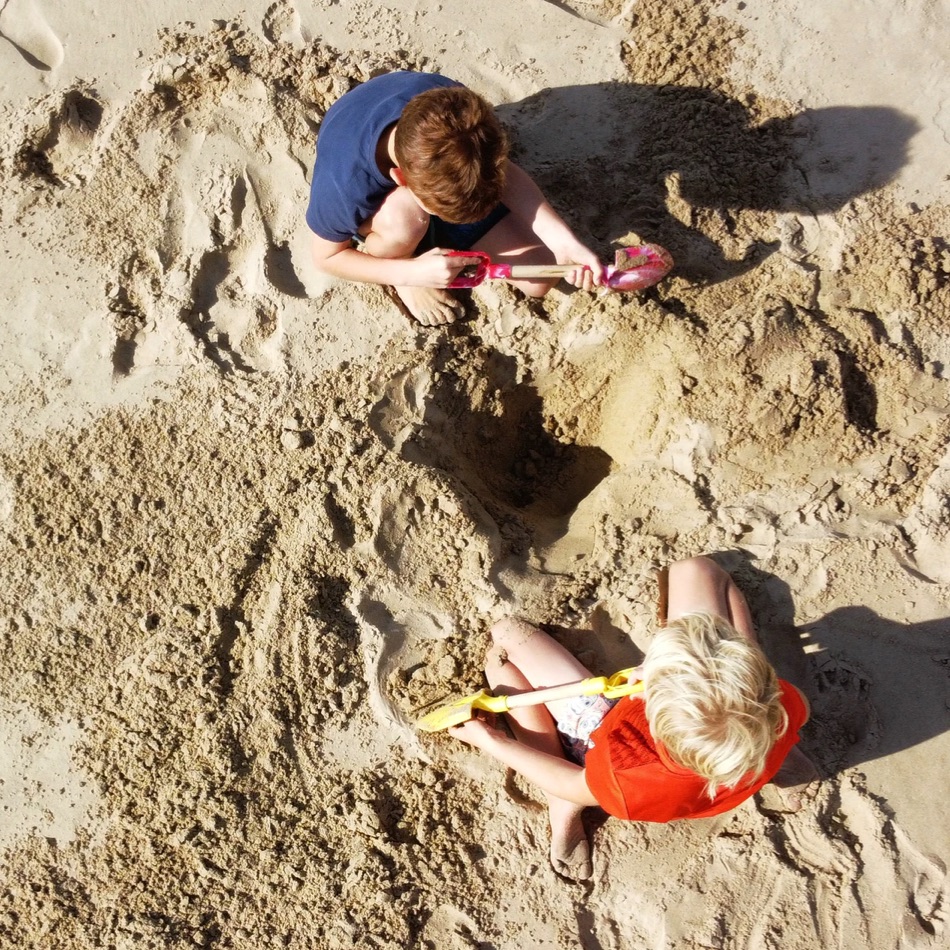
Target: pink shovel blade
x=639, y=267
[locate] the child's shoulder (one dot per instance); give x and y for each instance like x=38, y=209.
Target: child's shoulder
x=402, y=83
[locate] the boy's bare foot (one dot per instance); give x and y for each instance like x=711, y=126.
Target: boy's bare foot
x=570, y=846
x=797, y=780
x=429, y=306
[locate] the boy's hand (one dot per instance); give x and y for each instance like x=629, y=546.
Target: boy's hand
x=436, y=268
x=589, y=273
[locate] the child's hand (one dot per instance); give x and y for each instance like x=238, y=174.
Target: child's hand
x=478, y=732
x=436, y=268
x=589, y=273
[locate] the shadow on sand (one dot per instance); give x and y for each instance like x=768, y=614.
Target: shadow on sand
x=677, y=164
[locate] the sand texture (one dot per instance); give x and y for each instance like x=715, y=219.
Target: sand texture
x=252, y=521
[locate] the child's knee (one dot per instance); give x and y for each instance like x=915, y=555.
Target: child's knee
x=501, y=631
x=510, y=632
x=495, y=656
x=699, y=568
x=400, y=222
x=536, y=289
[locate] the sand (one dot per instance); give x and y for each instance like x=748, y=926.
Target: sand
x=252, y=521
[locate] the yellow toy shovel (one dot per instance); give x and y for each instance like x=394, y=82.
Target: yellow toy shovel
x=613, y=687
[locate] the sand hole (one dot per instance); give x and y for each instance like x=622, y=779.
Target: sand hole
x=511, y=449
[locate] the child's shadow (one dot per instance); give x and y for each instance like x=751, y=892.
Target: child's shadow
x=679, y=165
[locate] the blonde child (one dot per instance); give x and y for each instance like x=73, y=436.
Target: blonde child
x=712, y=726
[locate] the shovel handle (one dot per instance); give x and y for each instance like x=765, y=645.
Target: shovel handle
x=637, y=268
x=473, y=274
x=530, y=271
x=586, y=687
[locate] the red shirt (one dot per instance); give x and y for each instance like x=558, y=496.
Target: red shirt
x=632, y=776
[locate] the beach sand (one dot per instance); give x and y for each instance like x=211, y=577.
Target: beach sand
x=252, y=521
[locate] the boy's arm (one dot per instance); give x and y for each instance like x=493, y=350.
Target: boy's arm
x=553, y=774
x=341, y=259
x=526, y=201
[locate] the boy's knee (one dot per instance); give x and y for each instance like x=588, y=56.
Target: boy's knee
x=535, y=288
x=400, y=222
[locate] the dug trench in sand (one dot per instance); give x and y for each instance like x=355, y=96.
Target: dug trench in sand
x=251, y=523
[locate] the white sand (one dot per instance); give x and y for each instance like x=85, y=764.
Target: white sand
x=252, y=521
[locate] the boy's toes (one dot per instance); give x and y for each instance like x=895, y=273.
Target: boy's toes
x=444, y=309
x=427, y=306
x=786, y=800
x=795, y=784
x=439, y=315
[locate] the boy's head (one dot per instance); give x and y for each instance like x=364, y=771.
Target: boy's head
x=712, y=699
x=452, y=152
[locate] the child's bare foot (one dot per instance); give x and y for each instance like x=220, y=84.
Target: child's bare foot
x=797, y=780
x=429, y=306
x=570, y=846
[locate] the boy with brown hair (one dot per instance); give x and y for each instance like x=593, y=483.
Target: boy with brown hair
x=412, y=164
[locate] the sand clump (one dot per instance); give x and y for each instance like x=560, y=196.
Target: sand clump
x=258, y=522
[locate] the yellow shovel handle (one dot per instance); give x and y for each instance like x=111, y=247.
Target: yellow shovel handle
x=613, y=687
x=610, y=686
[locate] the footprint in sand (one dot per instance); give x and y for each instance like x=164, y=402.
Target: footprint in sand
x=23, y=24
x=281, y=23
x=926, y=527
x=843, y=714
x=928, y=893
x=63, y=153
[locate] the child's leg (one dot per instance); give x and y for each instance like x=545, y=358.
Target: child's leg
x=538, y=658
x=517, y=645
x=700, y=584
x=395, y=232
x=513, y=242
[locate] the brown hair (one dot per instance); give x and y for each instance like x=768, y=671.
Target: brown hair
x=453, y=152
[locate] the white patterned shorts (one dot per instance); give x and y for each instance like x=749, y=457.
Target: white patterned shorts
x=581, y=717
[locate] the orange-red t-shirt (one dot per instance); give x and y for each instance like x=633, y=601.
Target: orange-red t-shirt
x=632, y=776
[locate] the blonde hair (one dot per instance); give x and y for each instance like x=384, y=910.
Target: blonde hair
x=712, y=699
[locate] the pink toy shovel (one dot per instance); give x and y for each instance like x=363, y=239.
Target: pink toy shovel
x=635, y=268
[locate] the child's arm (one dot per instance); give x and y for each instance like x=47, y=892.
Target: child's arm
x=432, y=269
x=553, y=774
x=526, y=201
x=804, y=699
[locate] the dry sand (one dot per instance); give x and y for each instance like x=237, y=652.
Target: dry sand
x=252, y=520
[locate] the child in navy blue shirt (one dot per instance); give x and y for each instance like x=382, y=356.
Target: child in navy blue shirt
x=411, y=164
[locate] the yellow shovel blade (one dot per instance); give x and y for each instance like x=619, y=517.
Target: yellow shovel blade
x=461, y=710
x=624, y=683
